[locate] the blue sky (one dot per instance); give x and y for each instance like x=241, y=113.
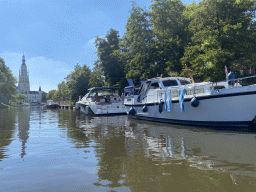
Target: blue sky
x=55, y=35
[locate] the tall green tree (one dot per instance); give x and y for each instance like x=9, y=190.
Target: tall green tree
x=169, y=28
x=7, y=80
x=222, y=33
x=136, y=46
x=63, y=90
x=51, y=94
x=108, y=52
x=78, y=81
x=97, y=77
x=44, y=94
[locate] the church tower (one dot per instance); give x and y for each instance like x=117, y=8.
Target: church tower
x=23, y=84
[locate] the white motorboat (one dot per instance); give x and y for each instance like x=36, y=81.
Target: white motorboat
x=177, y=100
x=102, y=101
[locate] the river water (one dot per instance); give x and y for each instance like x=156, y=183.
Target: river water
x=64, y=150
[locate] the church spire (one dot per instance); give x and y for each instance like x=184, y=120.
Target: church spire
x=23, y=84
x=23, y=60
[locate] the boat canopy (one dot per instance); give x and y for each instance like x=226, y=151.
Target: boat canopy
x=101, y=91
x=104, y=88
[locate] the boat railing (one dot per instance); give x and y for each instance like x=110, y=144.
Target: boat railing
x=233, y=83
x=207, y=86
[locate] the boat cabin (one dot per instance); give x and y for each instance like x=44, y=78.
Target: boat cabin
x=103, y=94
x=166, y=82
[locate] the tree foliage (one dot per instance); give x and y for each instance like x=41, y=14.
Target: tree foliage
x=51, y=94
x=17, y=99
x=109, y=62
x=78, y=81
x=169, y=28
x=7, y=80
x=44, y=94
x=222, y=33
x=63, y=91
x=97, y=77
x=137, y=45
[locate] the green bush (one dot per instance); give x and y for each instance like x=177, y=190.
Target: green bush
x=71, y=102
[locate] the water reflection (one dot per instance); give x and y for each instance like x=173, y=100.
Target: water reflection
x=64, y=150
x=108, y=135
x=23, y=117
x=225, y=152
x=148, y=156
x=15, y=122
x=7, y=128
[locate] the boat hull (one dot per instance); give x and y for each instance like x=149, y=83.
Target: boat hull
x=213, y=110
x=54, y=106
x=93, y=109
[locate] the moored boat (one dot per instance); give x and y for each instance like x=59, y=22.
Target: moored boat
x=101, y=101
x=177, y=100
x=52, y=105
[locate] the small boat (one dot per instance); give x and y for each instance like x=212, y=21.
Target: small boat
x=102, y=101
x=52, y=105
x=177, y=100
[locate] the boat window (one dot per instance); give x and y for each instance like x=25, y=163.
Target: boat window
x=144, y=88
x=104, y=92
x=184, y=82
x=175, y=94
x=217, y=87
x=169, y=83
x=196, y=91
x=154, y=85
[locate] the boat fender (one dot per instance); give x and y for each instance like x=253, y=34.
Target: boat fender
x=145, y=109
x=161, y=106
x=132, y=111
x=194, y=102
x=138, y=99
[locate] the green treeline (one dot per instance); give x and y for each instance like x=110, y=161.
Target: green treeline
x=170, y=39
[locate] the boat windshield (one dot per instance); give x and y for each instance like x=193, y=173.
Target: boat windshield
x=184, y=82
x=144, y=88
x=104, y=92
x=170, y=82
